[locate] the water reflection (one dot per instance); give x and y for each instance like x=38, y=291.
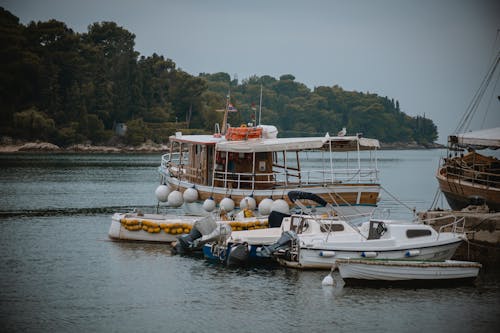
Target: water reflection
x=60, y=273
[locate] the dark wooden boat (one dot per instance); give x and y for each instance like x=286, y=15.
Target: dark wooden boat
x=471, y=178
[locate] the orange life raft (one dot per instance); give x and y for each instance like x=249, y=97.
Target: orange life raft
x=243, y=133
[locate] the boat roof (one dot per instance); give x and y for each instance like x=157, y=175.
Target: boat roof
x=487, y=138
x=202, y=139
x=346, y=143
x=338, y=143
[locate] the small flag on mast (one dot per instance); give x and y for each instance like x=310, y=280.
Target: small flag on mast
x=231, y=108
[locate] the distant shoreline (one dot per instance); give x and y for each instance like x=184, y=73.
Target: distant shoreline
x=45, y=147
x=410, y=146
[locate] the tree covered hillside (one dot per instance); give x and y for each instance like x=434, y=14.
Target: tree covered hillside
x=66, y=87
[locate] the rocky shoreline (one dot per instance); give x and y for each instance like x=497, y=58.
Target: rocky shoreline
x=149, y=147
x=46, y=147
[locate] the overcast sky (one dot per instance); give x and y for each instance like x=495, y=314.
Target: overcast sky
x=431, y=55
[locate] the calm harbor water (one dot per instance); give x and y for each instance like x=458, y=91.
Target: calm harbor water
x=59, y=272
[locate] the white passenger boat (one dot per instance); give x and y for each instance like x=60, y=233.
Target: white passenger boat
x=250, y=163
x=368, y=270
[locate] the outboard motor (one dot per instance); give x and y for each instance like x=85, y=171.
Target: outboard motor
x=238, y=256
x=284, y=241
x=275, y=219
x=192, y=241
x=185, y=244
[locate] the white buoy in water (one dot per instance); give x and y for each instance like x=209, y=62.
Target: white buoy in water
x=265, y=206
x=281, y=206
x=227, y=204
x=209, y=204
x=248, y=202
x=175, y=199
x=328, y=280
x=162, y=193
x=190, y=195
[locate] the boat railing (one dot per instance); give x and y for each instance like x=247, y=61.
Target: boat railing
x=174, y=163
x=170, y=158
x=473, y=176
x=456, y=227
x=286, y=178
x=334, y=176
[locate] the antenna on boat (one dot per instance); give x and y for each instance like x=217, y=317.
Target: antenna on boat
x=224, y=121
x=260, y=103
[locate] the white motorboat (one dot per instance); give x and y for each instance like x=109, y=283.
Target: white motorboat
x=317, y=241
x=137, y=226
x=372, y=270
x=242, y=247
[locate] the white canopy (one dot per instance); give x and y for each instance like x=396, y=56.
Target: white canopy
x=347, y=143
x=488, y=138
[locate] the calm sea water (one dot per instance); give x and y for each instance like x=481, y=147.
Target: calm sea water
x=60, y=273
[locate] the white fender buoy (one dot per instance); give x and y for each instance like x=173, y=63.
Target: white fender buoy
x=412, y=253
x=265, y=206
x=227, y=204
x=369, y=254
x=209, y=204
x=248, y=202
x=162, y=193
x=327, y=254
x=190, y=195
x=280, y=206
x=328, y=280
x=175, y=199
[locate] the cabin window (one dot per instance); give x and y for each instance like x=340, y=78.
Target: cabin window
x=331, y=227
x=262, y=166
x=413, y=233
x=298, y=224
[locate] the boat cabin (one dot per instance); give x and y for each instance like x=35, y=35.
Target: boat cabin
x=263, y=163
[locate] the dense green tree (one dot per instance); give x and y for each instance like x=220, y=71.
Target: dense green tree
x=68, y=88
x=19, y=70
x=34, y=124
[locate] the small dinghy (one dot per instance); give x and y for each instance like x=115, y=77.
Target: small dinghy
x=407, y=271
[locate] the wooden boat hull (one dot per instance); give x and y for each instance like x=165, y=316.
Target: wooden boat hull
x=459, y=192
x=355, y=270
x=349, y=199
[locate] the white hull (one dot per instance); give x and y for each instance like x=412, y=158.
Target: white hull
x=401, y=270
x=310, y=258
x=317, y=246
x=118, y=230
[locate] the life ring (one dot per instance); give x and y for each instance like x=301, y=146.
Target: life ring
x=243, y=125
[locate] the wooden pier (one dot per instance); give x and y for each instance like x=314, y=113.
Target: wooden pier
x=483, y=235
